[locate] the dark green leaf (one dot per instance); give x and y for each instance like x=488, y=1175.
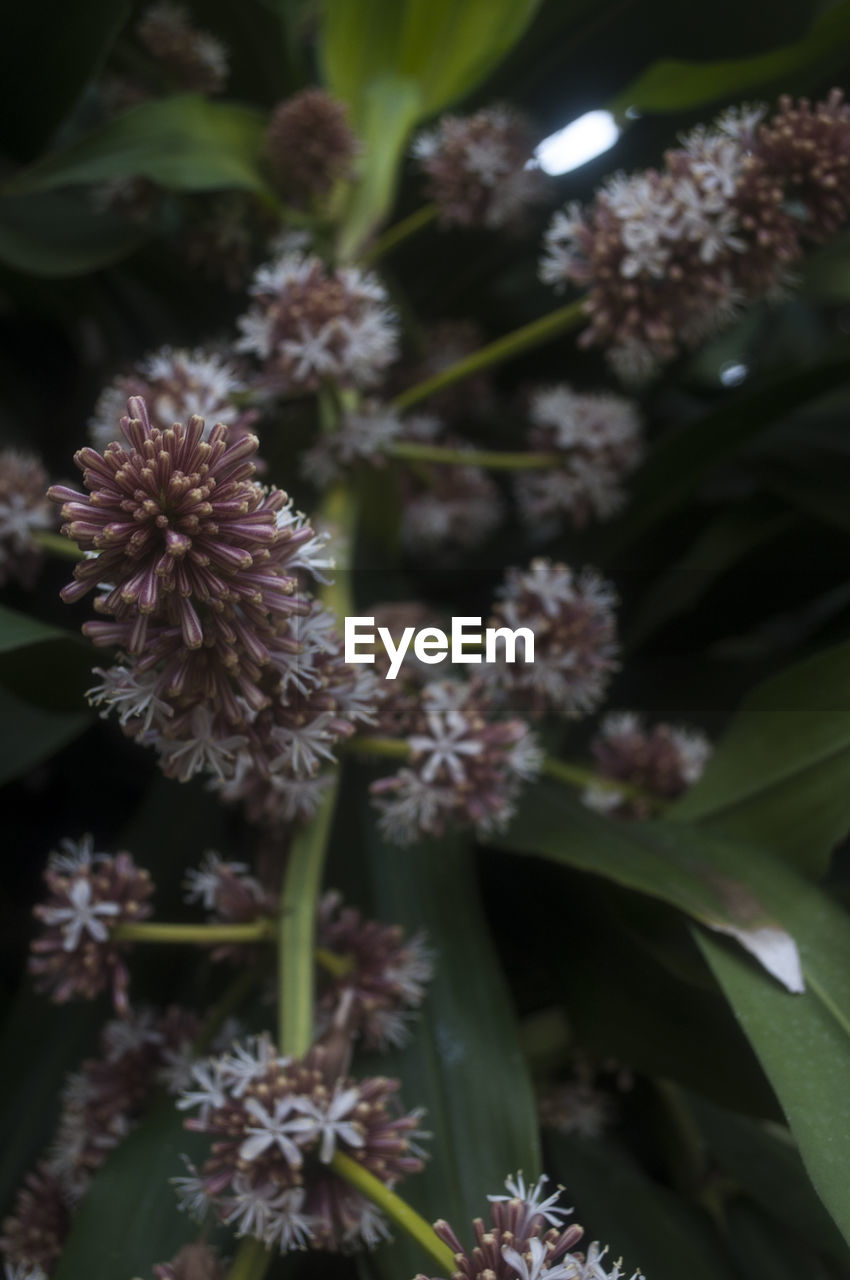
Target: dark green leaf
x=766, y=1164
x=129, y=1220
x=30, y=734
x=54, y=235
x=672, y=85
x=184, y=143
x=17, y=630
x=643, y=1222
x=781, y=774
x=48, y=54
x=463, y=1064
x=676, y=466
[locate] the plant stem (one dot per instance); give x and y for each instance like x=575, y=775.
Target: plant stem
x=574, y=775
x=412, y=451
x=395, y=1208
x=399, y=231
x=297, y=928
x=252, y=1261
x=56, y=544
x=512, y=344
x=205, y=935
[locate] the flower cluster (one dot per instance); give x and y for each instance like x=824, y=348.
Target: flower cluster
x=89, y=895
x=195, y=59
x=478, y=167
x=600, y=439
x=526, y=1240
x=573, y=622
x=224, y=667
x=193, y=1262
x=445, y=508
x=176, y=386
x=101, y=1103
x=383, y=979
x=309, y=323
x=231, y=895
x=660, y=763
x=275, y=1125
x=310, y=146
x=467, y=765
x=23, y=511
x=362, y=437
x=670, y=256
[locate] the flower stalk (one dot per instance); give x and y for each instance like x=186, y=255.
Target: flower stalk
x=396, y=1209
x=507, y=348
x=399, y=232
x=252, y=1260
x=491, y=459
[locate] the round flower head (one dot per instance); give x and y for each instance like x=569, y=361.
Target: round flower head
x=176, y=386
x=467, y=766
x=275, y=1124
x=32, y=1237
x=309, y=323
x=23, y=510
x=309, y=145
x=661, y=762
x=384, y=976
x=75, y=955
x=805, y=148
x=478, y=168
x=572, y=619
x=600, y=438
x=525, y=1240
x=194, y=58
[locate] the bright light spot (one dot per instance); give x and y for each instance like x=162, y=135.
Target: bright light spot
x=578, y=142
x=732, y=374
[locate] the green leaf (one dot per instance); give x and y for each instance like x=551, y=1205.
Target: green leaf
x=463, y=1063
x=17, y=630
x=396, y=64
x=767, y=1165
x=709, y=879
x=643, y=1222
x=780, y=776
x=129, y=1220
x=674, y=85
x=49, y=53
x=678, y=464
x=30, y=734
x=39, y=1043
x=55, y=235
x=803, y=1041
x=184, y=143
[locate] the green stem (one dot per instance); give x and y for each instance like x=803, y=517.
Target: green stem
x=56, y=544
x=412, y=451
x=513, y=344
x=297, y=928
x=574, y=775
x=339, y=511
x=398, y=1210
x=205, y=935
x=252, y=1261
x=399, y=231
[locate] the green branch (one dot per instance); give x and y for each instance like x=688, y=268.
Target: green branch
x=412, y=451
x=396, y=1209
x=400, y=231
x=56, y=544
x=296, y=938
x=252, y=1261
x=513, y=344
x=204, y=935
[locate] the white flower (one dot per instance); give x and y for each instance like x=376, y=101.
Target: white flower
x=532, y=1265
x=127, y=1035
x=535, y=1204
x=23, y=1271
x=76, y=856
x=592, y=1268
x=273, y=1130
x=269, y=1214
x=192, y=1197
x=135, y=693
x=82, y=916
x=202, y=884
x=331, y=1124
x=211, y=1095
x=445, y=746
x=202, y=750
x=413, y=808
x=248, y=1062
